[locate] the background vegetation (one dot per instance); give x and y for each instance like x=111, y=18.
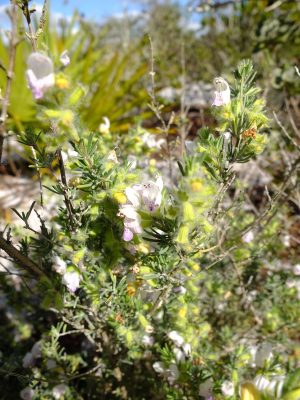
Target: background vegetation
x=203, y=302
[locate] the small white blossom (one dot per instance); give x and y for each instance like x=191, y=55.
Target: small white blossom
x=222, y=92
x=248, y=237
x=296, y=269
x=147, y=340
x=65, y=58
x=227, y=388
x=39, y=74
x=27, y=393
x=179, y=354
x=158, y=367
x=187, y=349
x=104, y=127
x=59, y=265
x=176, y=338
x=271, y=386
x=151, y=141
x=71, y=280
x=286, y=240
x=30, y=357
x=112, y=156
x=227, y=135
x=59, y=390
x=172, y=373
x=133, y=162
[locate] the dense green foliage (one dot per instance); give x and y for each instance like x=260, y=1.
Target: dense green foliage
x=169, y=269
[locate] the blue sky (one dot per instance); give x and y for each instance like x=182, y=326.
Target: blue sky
x=93, y=9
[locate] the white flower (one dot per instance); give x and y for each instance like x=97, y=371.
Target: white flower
x=104, y=127
x=71, y=280
x=39, y=74
x=158, y=367
x=206, y=388
x=151, y=142
x=65, y=58
x=148, y=195
x=133, y=162
x=27, y=393
x=187, y=349
x=179, y=354
x=222, y=92
x=147, y=340
x=132, y=223
x=272, y=387
x=59, y=265
x=152, y=194
x=172, y=373
x=296, y=269
x=227, y=135
x=248, y=237
x=59, y=390
x=30, y=357
x=112, y=156
x=227, y=388
x=176, y=338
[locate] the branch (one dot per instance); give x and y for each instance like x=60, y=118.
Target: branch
x=18, y=256
x=64, y=186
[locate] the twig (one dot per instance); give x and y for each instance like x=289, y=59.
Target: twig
x=156, y=108
x=275, y=201
x=39, y=175
x=64, y=186
x=18, y=256
x=216, y=206
x=33, y=39
x=9, y=74
x=284, y=130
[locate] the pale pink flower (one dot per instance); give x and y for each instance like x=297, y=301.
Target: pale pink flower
x=149, y=196
x=248, y=237
x=39, y=74
x=222, y=92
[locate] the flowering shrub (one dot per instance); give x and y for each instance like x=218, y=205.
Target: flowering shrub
x=147, y=283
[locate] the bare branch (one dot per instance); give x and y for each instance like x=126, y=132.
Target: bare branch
x=20, y=258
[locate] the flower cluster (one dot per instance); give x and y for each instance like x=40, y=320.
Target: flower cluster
x=147, y=196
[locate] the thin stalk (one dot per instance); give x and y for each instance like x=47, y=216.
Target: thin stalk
x=9, y=74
